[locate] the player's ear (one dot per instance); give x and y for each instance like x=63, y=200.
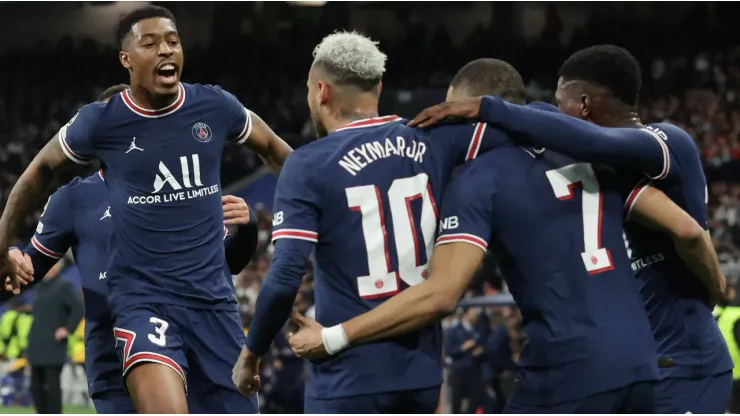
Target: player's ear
x=124, y=58
x=585, y=106
x=380, y=87
x=324, y=92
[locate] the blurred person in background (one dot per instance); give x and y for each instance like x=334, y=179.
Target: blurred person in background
x=728, y=320
x=464, y=346
x=57, y=311
x=500, y=359
x=15, y=324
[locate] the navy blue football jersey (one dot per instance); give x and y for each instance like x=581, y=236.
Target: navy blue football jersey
x=163, y=175
x=689, y=341
x=78, y=216
x=555, y=226
x=367, y=195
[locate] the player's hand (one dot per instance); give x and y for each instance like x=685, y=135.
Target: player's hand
x=236, y=210
x=12, y=272
x=307, y=342
x=468, y=344
x=25, y=265
x=245, y=373
x=462, y=109
x=61, y=334
x=477, y=351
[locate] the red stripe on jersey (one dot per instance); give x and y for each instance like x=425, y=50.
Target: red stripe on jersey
x=152, y=357
x=463, y=238
x=375, y=121
x=294, y=233
x=74, y=155
x=43, y=250
x=475, y=141
x=634, y=195
x=126, y=96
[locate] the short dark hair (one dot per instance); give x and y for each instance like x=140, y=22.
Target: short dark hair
x=111, y=91
x=147, y=12
x=488, y=76
x=607, y=66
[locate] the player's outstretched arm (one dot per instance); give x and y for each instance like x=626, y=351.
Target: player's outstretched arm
x=53, y=237
x=452, y=269
x=578, y=138
x=247, y=128
x=538, y=125
x=655, y=210
x=268, y=145
x=49, y=163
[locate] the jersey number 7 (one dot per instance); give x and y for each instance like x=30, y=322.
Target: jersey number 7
x=596, y=258
x=382, y=280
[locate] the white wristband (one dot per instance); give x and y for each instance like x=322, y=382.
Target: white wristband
x=335, y=339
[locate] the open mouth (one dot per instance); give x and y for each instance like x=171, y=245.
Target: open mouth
x=167, y=73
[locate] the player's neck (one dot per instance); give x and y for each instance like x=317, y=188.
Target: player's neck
x=620, y=115
x=149, y=101
x=345, y=117
x=622, y=120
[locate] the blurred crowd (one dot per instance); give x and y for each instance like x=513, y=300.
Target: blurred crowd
x=696, y=86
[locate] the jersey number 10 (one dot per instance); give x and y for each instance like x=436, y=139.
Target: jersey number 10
x=596, y=258
x=382, y=280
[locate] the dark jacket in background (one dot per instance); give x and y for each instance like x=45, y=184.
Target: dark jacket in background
x=56, y=305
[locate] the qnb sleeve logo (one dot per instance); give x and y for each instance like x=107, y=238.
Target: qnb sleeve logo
x=168, y=188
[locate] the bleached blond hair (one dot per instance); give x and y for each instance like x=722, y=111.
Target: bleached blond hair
x=350, y=56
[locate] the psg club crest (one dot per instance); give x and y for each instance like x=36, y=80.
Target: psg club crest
x=202, y=133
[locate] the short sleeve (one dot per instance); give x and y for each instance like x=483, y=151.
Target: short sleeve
x=54, y=233
x=76, y=137
x=467, y=209
x=631, y=188
x=239, y=119
x=297, y=202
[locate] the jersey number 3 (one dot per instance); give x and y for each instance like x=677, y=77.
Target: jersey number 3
x=596, y=258
x=382, y=280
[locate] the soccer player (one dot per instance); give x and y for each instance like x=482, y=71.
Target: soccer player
x=558, y=234
x=365, y=195
x=78, y=216
x=161, y=142
x=601, y=84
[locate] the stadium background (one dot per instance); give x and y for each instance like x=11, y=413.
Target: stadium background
x=56, y=57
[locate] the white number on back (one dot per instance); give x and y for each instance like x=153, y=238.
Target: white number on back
x=596, y=258
x=381, y=279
